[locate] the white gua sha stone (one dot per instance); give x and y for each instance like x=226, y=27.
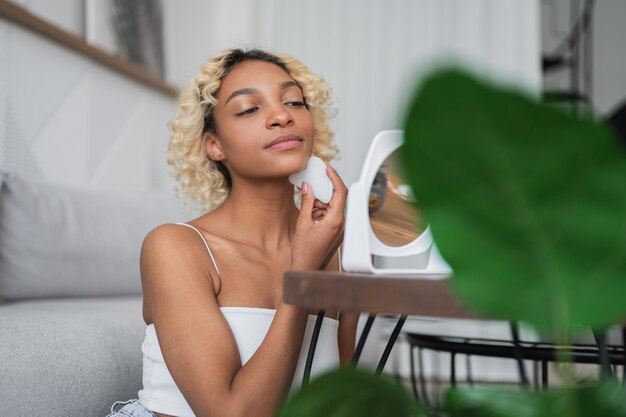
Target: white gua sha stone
x=315, y=175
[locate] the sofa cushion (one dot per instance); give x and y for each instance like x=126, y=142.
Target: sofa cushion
x=69, y=357
x=57, y=241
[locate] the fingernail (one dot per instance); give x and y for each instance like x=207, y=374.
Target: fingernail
x=305, y=187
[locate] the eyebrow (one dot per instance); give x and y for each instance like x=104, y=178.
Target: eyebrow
x=243, y=91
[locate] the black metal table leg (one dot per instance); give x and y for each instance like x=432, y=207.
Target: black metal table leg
x=605, y=366
x=422, y=377
x=413, y=379
x=312, y=346
x=390, y=343
x=357, y=353
x=624, y=354
x=362, y=339
x=453, y=369
x=518, y=354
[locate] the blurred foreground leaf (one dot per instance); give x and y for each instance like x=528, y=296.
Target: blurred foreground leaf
x=607, y=400
x=526, y=203
x=348, y=392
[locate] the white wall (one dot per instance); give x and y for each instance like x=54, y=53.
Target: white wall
x=66, y=14
x=67, y=120
x=369, y=52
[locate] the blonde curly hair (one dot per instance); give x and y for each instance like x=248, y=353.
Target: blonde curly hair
x=204, y=181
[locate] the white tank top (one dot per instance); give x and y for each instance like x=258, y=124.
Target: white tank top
x=249, y=326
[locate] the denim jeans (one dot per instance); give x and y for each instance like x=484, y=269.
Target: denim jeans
x=132, y=408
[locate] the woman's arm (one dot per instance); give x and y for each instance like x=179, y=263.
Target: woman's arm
x=346, y=336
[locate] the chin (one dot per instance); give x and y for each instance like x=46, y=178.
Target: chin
x=295, y=168
x=303, y=162
x=287, y=163
x=295, y=164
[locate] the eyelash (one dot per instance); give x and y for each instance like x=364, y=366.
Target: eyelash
x=245, y=112
x=254, y=109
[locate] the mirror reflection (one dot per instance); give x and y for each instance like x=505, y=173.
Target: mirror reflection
x=394, y=213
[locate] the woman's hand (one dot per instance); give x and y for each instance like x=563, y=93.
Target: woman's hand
x=319, y=229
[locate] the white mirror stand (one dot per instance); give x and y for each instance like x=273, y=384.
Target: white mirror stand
x=360, y=241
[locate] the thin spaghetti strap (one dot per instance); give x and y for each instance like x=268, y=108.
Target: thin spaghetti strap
x=207, y=248
x=339, y=257
x=340, y=270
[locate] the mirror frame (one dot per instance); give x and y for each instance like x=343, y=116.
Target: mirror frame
x=360, y=241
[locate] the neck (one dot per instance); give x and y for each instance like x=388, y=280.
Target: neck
x=263, y=211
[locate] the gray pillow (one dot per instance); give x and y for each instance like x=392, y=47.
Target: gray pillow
x=57, y=241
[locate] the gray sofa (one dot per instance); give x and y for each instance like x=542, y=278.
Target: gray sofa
x=71, y=323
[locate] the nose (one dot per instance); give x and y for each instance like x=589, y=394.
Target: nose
x=279, y=116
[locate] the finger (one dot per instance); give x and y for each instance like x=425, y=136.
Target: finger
x=338, y=185
x=306, y=202
x=340, y=191
x=320, y=204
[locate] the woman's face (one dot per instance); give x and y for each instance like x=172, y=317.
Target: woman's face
x=257, y=103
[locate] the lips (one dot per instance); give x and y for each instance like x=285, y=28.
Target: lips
x=284, y=138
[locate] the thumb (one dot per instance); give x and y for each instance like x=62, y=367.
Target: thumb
x=307, y=201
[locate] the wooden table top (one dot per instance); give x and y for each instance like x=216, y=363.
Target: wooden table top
x=380, y=294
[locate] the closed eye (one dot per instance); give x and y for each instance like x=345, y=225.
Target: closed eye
x=249, y=111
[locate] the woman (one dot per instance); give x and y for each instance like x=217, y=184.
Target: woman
x=220, y=341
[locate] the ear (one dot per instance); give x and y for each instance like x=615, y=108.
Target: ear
x=213, y=147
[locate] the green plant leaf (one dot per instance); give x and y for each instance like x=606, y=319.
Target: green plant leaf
x=526, y=203
x=349, y=392
x=605, y=400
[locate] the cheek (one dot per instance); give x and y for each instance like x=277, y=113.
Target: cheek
x=310, y=117
x=308, y=125
x=238, y=149
x=312, y=132
x=235, y=137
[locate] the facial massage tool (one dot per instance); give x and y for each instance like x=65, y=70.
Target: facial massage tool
x=315, y=175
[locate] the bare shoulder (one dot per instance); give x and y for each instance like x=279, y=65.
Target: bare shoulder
x=170, y=232
x=163, y=235
x=170, y=243
x=172, y=257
